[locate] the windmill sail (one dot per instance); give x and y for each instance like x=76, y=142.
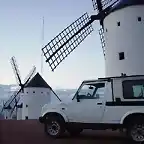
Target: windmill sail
x=100, y=5
x=11, y=104
x=16, y=70
x=14, y=103
x=11, y=99
x=102, y=39
x=30, y=75
x=64, y=43
x=15, y=100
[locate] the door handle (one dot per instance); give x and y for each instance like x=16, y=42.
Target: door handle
x=99, y=103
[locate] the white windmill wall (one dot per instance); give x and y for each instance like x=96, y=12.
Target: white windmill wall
x=20, y=110
x=35, y=99
x=127, y=38
x=19, y=114
x=6, y=115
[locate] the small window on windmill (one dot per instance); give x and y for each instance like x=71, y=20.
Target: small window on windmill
x=139, y=19
x=41, y=92
x=33, y=91
x=26, y=105
x=121, y=56
x=26, y=117
x=118, y=23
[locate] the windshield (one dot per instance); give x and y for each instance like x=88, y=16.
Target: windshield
x=87, y=89
x=91, y=90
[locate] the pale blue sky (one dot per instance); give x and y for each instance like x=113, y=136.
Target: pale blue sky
x=20, y=36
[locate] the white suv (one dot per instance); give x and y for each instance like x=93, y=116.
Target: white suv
x=107, y=103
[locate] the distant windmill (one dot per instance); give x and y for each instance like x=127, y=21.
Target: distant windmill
x=12, y=102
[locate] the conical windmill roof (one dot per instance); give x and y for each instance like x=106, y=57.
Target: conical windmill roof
x=37, y=81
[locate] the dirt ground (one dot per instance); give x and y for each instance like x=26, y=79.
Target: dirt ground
x=31, y=132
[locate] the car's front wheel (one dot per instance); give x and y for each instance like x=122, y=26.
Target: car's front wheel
x=54, y=127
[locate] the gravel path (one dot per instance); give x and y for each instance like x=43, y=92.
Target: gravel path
x=31, y=132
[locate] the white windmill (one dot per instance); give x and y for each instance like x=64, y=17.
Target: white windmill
x=121, y=33
x=27, y=101
x=122, y=37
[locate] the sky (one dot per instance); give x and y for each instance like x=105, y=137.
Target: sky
x=21, y=36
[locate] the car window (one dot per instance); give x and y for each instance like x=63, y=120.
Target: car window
x=91, y=91
x=86, y=91
x=138, y=91
x=99, y=93
x=133, y=89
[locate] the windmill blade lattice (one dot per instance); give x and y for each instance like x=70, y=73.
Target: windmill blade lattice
x=16, y=70
x=30, y=75
x=64, y=43
x=10, y=104
x=104, y=4
x=14, y=104
x=102, y=39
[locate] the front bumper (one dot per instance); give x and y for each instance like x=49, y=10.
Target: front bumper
x=41, y=119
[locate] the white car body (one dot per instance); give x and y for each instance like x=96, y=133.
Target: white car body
x=108, y=107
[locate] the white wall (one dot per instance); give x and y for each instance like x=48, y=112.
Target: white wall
x=35, y=101
x=127, y=38
x=19, y=114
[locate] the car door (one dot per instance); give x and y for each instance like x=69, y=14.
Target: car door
x=90, y=107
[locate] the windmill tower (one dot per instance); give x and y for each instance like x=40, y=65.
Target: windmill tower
x=121, y=34
x=28, y=100
x=11, y=106
x=37, y=93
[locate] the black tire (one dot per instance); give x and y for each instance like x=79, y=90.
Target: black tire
x=135, y=130
x=74, y=131
x=54, y=127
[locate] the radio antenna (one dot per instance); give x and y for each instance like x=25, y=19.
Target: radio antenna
x=42, y=45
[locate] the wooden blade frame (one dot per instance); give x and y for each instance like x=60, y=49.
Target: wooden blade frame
x=29, y=76
x=16, y=70
x=64, y=43
x=100, y=5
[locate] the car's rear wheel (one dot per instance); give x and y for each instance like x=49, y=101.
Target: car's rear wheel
x=54, y=127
